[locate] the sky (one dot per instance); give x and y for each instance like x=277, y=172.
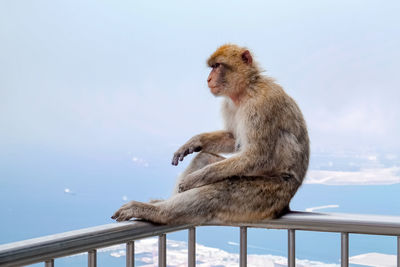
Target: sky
x=105, y=76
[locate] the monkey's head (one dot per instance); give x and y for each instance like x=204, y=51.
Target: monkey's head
x=233, y=69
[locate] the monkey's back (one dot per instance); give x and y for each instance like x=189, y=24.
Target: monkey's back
x=276, y=131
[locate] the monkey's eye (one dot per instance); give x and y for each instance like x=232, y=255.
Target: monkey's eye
x=216, y=65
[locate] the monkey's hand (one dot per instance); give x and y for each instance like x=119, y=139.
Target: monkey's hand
x=193, y=145
x=191, y=181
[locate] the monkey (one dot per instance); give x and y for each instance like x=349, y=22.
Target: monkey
x=266, y=134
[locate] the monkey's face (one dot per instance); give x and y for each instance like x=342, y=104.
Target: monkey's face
x=231, y=66
x=216, y=80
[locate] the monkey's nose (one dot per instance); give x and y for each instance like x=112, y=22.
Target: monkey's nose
x=208, y=80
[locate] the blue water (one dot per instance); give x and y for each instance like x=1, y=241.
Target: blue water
x=33, y=203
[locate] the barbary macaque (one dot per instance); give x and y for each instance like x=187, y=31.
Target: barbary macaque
x=266, y=132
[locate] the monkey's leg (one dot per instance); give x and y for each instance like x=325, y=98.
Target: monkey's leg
x=238, y=199
x=189, y=206
x=199, y=161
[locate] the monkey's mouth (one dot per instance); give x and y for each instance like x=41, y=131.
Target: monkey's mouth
x=215, y=90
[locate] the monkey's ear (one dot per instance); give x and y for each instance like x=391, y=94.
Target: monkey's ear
x=246, y=57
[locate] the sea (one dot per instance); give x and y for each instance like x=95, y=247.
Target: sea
x=49, y=192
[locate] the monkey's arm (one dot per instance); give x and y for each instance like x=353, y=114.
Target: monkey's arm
x=239, y=165
x=214, y=142
x=254, y=158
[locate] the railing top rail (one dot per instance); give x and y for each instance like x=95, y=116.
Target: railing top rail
x=68, y=243
x=78, y=241
x=331, y=222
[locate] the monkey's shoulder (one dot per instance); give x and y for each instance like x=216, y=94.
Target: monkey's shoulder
x=270, y=104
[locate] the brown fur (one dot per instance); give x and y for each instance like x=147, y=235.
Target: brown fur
x=267, y=132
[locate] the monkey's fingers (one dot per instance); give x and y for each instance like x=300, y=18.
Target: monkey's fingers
x=115, y=216
x=179, y=156
x=118, y=213
x=183, y=152
x=175, y=159
x=182, y=188
x=121, y=215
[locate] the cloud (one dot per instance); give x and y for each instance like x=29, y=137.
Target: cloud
x=69, y=192
x=118, y=254
x=354, y=119
x=140, y=162
x=382, y=176
x=391, y=156
x=374, y=259
x=321, y=207
x=253, y=246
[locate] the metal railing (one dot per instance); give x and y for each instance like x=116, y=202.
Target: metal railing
x=46, y=249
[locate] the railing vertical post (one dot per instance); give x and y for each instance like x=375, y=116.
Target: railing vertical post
x=162, y=251
x=243, y=246
x=398, y=251
x=344, y=250
x=92, y=258
x=130, y=254
x=291, y=248
x=49, y=263
x=192, y=247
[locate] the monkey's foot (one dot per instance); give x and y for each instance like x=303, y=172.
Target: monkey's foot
x=130, y=210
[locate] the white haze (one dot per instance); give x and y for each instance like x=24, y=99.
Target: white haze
x=81, y=75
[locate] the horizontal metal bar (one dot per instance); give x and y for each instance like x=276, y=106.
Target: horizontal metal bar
x=64, y=244
x=329, y=222
x=78, y=241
